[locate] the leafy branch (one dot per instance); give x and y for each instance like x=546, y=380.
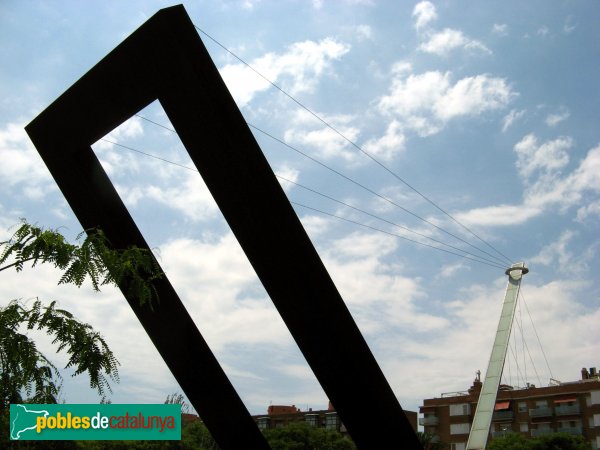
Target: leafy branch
x=24, y=367
x=94, y=258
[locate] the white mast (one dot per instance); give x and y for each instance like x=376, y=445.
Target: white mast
x=487, y=398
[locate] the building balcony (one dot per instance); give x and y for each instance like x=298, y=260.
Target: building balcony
x=541, y=432
x=567, y=410
x=542, y=411
x=502, y=415
x=429, y=421
x=570, y=430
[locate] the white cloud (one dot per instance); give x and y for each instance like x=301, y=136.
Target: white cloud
x=249, y=4
x=364, y=32
x=543, y=31
x=286, y=172
x=554, y=119
x=297, y=70
x=511, y=118
x=401, y=68
x=415, y=93
x=22, y=167
x=189, y=196
x=114, y=159
x=426, y=102
x=569, y=26
x=376, y=295
x=587, y=211
x=129, y=129
x=449, y=270
x=587, y=175
x=445, y=41
x=221, y=292
x=501, y=215
x=556, y=252
x=424, y=13
x=500, y=29
x=549, y=156
x=305, y=132
x=549, y=189
x=473, y=96
x=316, y=225
x=389, y=145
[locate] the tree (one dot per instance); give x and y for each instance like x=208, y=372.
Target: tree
x=561, y=441
x=302, y=436
x=429, y=441
x=94, y=258
x=511, y=441
x=552, y=441
x=25, y=370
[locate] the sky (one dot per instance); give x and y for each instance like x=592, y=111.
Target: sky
x=480, y=118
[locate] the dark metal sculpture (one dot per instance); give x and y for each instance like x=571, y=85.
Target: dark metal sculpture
x=166, y=60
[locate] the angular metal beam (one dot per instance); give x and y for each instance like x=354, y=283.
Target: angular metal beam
x=166, y=60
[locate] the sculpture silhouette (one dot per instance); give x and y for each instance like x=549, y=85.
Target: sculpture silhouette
x=166, y=60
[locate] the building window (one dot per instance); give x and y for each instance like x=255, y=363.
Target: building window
x=458, y=446
x=462, y=409
x=597, y=420
x=595, y=397
x=523, y=427
x=459, y=428
x=312, y=419
x=522, y=406
x=331, y=421
x=507, y=427
x=263, y=423
x=541, y=403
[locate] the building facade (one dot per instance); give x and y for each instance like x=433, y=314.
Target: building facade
x=572, y=407
x=280, y=416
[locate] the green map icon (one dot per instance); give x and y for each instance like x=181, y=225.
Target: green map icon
x=23, y=420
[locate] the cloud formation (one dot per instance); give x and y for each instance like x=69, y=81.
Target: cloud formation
x=22, y=169
x=424, y=12
x=547, y=157
x=297, y=70
x=425, y=102
x=443, y=42
x=540, y=166
x=310, y=134
x=511, y=118
x=554, y=119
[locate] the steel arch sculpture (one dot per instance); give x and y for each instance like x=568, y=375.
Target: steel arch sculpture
x=165, y=59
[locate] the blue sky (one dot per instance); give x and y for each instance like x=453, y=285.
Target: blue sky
x=490, y=111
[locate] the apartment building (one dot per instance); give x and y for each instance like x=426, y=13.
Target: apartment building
x=280, y=416
x=571, y=407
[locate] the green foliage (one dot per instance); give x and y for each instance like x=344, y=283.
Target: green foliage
x=552, y=441
x=561, y=441
x=195, y=436
x=26, y=375
x=511, y=441
x=178, y=399
x=302, y=436
x=24, y=368
x=429, y=442
x=133, y=269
